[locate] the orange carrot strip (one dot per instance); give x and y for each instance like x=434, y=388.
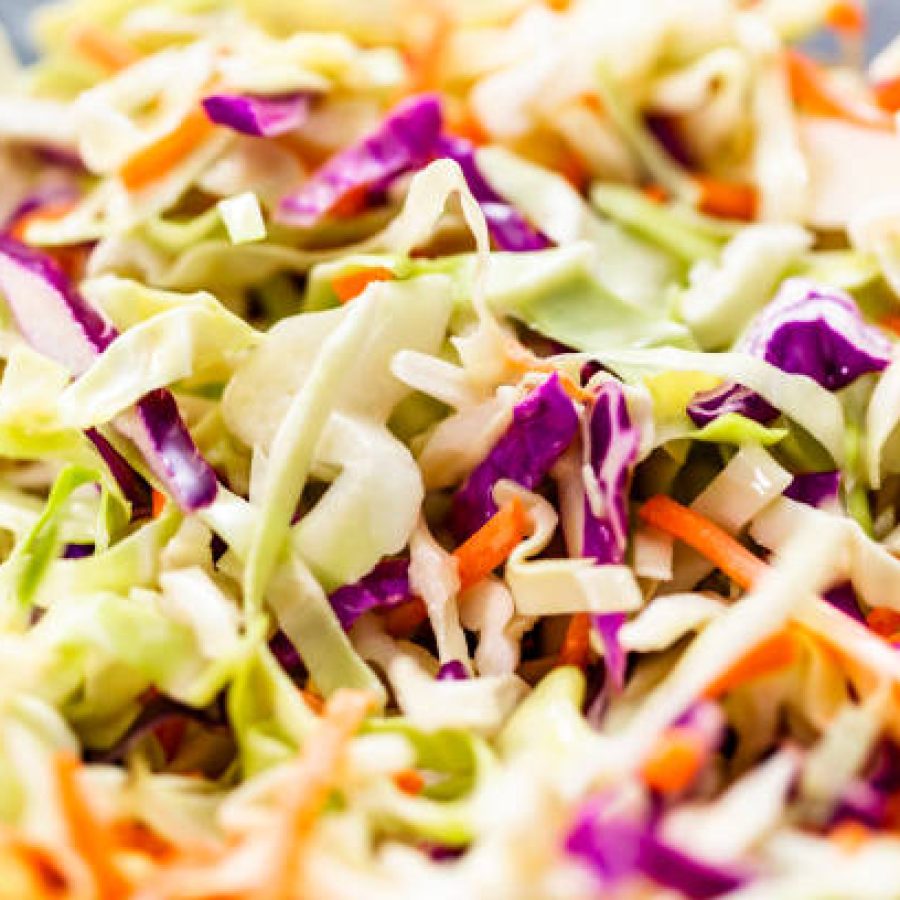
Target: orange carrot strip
x=158, y=503
x=89, y=836
x=490, y=546
x=317, y=772
x=104, y=50
x=49, y=212
x=351, y=203
x=469, y=126
x=891, y=323
x=772, y=655
x=426, y=62
x=719, y=547
x=156, y=160
x=884, y=622
x=576, y=647
x=847, y=16
x=675, y=762
x=409, y=781
x=347, y=287
x=850, y=836
x=655, y=192
x=887, y=95
x=313, y=701
x=403, y=620
x=727, y=199
x=812, y=90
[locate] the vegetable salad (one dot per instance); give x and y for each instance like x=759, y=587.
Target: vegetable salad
x=449, y=449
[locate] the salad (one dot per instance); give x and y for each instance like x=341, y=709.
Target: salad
x=450, y=449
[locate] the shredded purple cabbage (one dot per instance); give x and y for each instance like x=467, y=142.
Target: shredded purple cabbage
x=509, y=229
x=868, y=799
x=815, y=488
x=543, y=426
x=284, y=652
x=78, y=551
x=707, y=406
x=805, y=330
x=452, y=671
x=134, y=488
x=617, y=849
x=404, y=142
x=844, y=598
x=58, y=322
x=259, y=116
x=385, y=586
x=613, y=451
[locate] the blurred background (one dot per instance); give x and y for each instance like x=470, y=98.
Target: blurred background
x=885, y=15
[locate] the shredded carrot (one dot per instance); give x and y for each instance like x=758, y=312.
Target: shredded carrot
x=572, y=167
x=891, y=323
x=850, y=836
x=409, y=781
x=402, y=621
x=490, y=546
x=347, y=287
x=576, y=647
x=727, y=199
x=812, y=89
x=772, y=655
x=313, y=701
x=705, y=537
x=89, y=836
x=49, y=212
x=887, y=95
x=655, y=192
x=158, y=503
x=103, y=49
x=884, y=622
x=847, y=16
x=317, y=773
x=137, y=837
x=592, y=101
x=675, y=762
x=351, y=203
x=467, y=125
x=426, y=62
x=160, y=157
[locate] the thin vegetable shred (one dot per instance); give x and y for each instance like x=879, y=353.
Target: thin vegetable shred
x=449, y=449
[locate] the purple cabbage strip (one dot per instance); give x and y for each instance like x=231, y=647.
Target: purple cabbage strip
x=78, y=551
x=868, y=799
x=284, y=651
x=613, y=451
x=844, y=598
x=617, y=849
x=385, y=586
x=707, y=406
x=815, y=488
x=134, y=488
x=57, y=321
x=614, y=445
x=404, y=142
x=608, y=626
x=256, y=115
x=805, y=330
x=452, y=671
x=508, y=227
x=543, y=426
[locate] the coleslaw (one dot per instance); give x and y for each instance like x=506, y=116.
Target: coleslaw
x=449, y=449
